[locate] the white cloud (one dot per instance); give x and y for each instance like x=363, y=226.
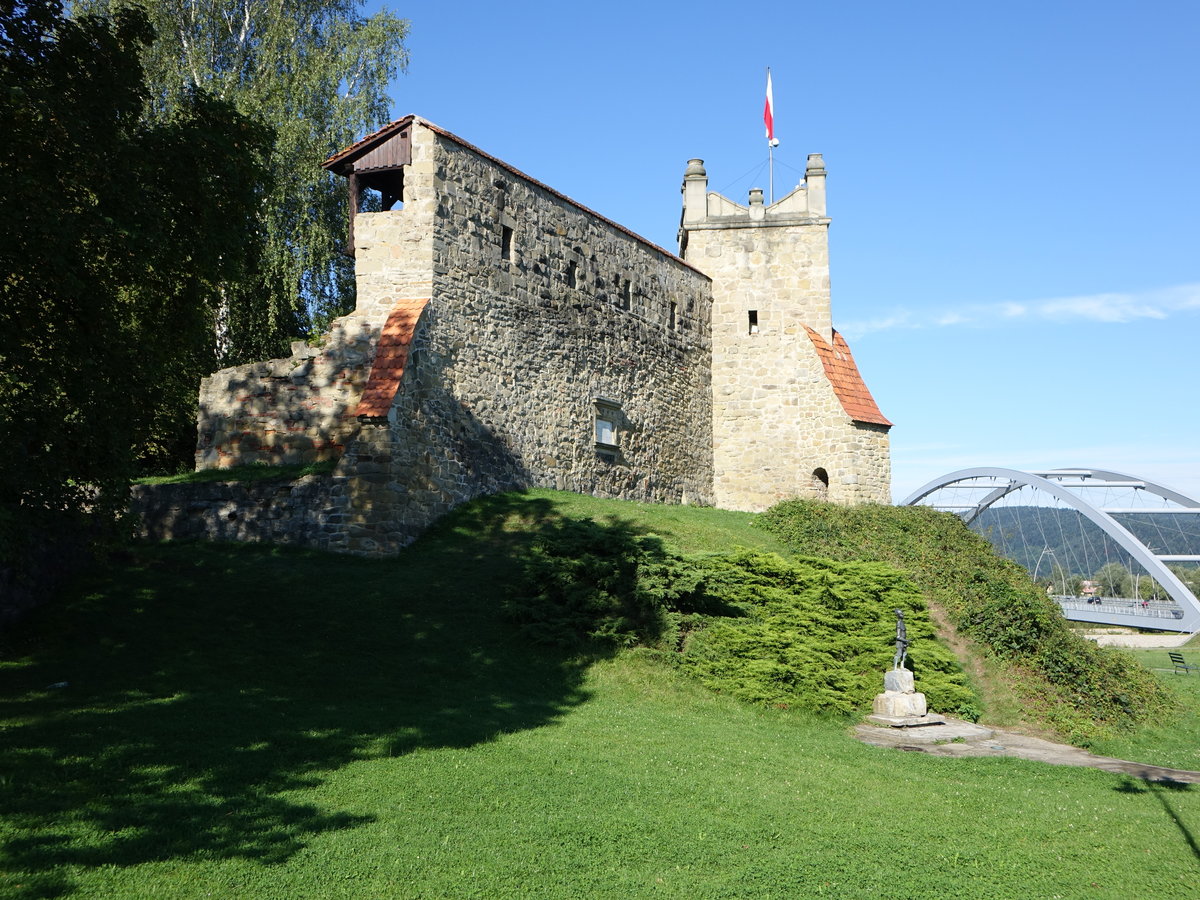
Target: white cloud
x=1106, y=308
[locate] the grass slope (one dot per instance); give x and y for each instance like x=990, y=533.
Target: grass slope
x=244, y=721
x=1061, y=679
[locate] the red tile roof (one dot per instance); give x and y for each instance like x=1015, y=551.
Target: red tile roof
x=391, y=356
x=847, y=383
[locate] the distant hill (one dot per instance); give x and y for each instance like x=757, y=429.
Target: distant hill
x=1038, y=537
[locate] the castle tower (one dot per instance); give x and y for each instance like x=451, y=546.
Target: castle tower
x=791, y=414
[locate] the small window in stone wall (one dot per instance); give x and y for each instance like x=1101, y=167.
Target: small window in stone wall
x=608, y=417
x=754, y=321
x=673, y=317
x=626, y=295
x=506, y=242
x=572, y=274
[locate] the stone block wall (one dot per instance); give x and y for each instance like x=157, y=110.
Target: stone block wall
x=393, y=250
x=538, y=309
x=863, y=464
x=308, y=511
x=779, y=428
x=581, y=309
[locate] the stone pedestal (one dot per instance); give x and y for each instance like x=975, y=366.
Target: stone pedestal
x=901, y=705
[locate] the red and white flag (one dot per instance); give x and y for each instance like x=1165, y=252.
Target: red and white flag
x=769, y=110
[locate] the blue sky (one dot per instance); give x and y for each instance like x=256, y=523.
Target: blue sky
x=1013, y=186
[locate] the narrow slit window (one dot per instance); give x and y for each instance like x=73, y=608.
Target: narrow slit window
x=754, y=321
x=572, y=274
x=626, y=295
x=673, y=319
x=506, y=242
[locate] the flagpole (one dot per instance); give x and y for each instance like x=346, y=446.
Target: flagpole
x=769, y=120
x=770, y=151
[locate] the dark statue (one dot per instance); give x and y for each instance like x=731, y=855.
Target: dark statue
x=901, y=641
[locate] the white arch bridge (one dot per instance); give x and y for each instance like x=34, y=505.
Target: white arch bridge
x=1117, y=549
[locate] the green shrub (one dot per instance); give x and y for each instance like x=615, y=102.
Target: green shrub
x=814, y=634
x=584, y=583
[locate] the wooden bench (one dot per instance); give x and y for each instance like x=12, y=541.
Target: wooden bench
x=1178, y=662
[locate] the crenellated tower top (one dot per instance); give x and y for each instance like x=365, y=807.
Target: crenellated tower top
x=805, y=205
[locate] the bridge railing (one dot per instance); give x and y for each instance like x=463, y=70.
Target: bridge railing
x=1151, y=609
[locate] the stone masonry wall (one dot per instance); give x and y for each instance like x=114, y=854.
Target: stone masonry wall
x=303, y=512
x=864, y=456
x=537, y=309
x=393, y=250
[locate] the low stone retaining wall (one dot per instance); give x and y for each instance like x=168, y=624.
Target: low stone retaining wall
x=309, y=511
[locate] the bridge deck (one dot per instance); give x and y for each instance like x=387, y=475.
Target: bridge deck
x=1126, y=611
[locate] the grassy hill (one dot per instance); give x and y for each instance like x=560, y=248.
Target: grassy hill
x=1005, y=627
x=218, y=720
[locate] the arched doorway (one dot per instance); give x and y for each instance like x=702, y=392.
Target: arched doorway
x=820, y=484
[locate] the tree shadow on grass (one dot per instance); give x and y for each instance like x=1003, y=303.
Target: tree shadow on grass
x=1161, y=791
x=170, y=705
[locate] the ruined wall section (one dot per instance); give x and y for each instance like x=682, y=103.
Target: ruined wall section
x=302, y=408
x=285, y=411
x=297, y=512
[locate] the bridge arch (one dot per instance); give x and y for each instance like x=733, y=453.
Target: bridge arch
x=1056, y=483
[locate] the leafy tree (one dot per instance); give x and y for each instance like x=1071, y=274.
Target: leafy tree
x=316, y=71
x=114, y=233
x=1189, y=575
x=1146, y=588
x=1114, y=580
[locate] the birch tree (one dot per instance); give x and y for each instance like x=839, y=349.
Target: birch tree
x=314, y=71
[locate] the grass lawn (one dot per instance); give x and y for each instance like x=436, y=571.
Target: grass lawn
x=244, y=721
x=1174, y=743
x=243, y=473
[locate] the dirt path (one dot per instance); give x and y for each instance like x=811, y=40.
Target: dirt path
x=1139, y=641
x=958, y=738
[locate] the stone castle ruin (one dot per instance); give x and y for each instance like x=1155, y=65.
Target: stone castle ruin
x=506, y=337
